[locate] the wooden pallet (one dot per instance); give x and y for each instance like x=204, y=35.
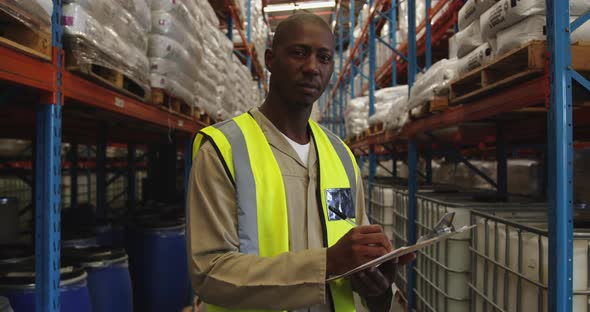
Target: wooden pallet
x=376, y=128
x=515, y=66
x=108, y=77
x=171, y=104
x=17, y=35
x=201, y=115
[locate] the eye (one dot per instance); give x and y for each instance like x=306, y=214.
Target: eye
x=325, y=58
x=298, y=52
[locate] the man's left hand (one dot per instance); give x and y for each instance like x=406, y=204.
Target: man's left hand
x=375, y=282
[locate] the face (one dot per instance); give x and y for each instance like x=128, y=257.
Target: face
x=302, y=64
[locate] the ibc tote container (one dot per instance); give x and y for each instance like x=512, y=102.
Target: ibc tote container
x=510, y=263
x=443, y=270
x=389, y=205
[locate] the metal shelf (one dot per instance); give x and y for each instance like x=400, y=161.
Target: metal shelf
x=557, y=123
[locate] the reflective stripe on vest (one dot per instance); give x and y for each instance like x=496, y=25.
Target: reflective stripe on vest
x=263, y=226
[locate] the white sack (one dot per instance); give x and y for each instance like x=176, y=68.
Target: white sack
x=481, y=56
x=533, y=28
x=471, y=10
x=507, y=13
x=466, y=40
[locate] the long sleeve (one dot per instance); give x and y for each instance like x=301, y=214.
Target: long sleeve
x=223, y=276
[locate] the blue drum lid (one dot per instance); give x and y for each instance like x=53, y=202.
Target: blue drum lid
x=11, y=255
x=94, y=256
x=24, y=277
x=5, y=305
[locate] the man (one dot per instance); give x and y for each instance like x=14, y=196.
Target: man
x=271, y=192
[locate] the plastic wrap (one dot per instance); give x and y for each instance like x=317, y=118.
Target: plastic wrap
x=467, y=40
x=182, y=11
x=481, y=56
x=92, y=43
x=391, y=93
x=171, y=86
x=35, y=14
x=532, y=28
x=170, y=70
x=357, y=115
x=436, y=79
x=167, y=48
x=398, y=113
x=139, y=10
x=164, y=23
x=505, y=14
x=207, y=12
x=472, y=10
x=109, y=14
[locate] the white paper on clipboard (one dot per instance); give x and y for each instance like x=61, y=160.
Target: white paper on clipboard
x=400, y=252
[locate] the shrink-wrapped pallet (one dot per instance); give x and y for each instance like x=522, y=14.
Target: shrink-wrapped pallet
x=35, y=14
x=433, y=82
x=532, y=28
x=95, y=35
x=466, y=40
x=507, y=13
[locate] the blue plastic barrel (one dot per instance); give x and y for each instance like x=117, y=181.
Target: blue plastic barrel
x=5, y=305
x=109, y=282
x=19, y=287
x=158, y=264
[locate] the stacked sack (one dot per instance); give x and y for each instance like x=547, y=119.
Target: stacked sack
x=356, y=116
x=224, y=87
x=391, y=107
x=435, y=81
x=109, y=33
x=490, y=28
x=259, y=32
x=420, y=16
x=175, y=52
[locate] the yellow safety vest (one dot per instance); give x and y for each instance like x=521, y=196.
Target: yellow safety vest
x=262, y=204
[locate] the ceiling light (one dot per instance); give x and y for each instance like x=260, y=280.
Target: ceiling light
x=299, y=6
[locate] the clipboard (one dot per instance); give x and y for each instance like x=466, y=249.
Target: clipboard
x=442, y=231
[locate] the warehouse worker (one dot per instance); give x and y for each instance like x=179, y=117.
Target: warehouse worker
x=270, y=191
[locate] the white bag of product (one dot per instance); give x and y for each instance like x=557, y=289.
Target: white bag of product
x=173, y=87
x=390, y=93
x=507, y=13
x=398, y=113
x=471, y=10
x=180, y=10
x=170, y=69
x=532, y=28
x=466, y=40
x=437, y=78
x=164, y=23
x=481, y=56
x=167, y=48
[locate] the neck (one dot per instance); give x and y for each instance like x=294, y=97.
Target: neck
x=289, y=119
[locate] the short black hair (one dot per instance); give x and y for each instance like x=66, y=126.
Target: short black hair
x=299, y=18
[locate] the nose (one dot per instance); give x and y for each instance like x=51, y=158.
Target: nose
x=311, y=65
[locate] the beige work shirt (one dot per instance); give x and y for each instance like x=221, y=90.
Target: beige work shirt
x=223, y=276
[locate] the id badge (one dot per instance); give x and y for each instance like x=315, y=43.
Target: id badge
x=340, y=199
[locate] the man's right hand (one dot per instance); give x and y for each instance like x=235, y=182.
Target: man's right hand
x=359, y=246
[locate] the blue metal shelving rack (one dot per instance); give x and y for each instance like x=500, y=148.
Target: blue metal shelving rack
x=559, y=133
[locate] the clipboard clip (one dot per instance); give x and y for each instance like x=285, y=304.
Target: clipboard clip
x=443, y=226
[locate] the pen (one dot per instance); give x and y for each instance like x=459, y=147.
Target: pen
x=342, y=216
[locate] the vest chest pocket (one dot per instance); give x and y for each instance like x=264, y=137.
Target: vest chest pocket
x=340, y=204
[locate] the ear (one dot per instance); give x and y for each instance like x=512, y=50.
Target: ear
x=268, y=58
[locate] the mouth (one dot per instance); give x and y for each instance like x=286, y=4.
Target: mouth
x=307, y=87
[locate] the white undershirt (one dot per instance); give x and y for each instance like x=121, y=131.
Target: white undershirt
x=301, y=149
